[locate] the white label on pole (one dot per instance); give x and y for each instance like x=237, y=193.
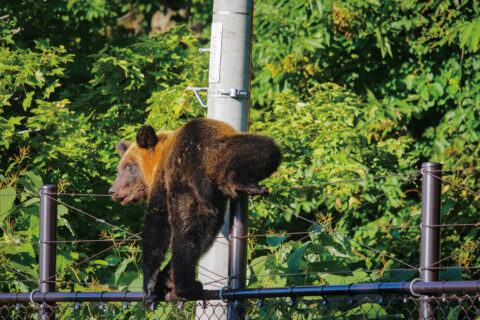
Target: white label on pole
x=215, y=52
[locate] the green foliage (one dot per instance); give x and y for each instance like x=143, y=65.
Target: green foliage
x=413, y=65
x=62, y=110
x=322, y=143
x=29, y=78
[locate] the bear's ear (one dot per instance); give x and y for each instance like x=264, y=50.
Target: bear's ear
x=122, y=146
x=146, y=137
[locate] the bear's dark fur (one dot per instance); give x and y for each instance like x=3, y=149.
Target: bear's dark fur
x=187, y=177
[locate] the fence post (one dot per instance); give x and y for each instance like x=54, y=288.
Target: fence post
x=430, y=235
x=48, y=225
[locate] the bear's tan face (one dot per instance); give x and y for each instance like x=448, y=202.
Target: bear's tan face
x=130, y=183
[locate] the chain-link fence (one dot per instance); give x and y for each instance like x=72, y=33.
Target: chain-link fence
x=373, y=300
x=450, y=307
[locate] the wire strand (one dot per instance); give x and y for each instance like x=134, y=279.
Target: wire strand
x=344, y=181
x=280, y=234
x=451, y=268
x=346, y=237
x=90, y=215
x=91, y=240
x=293, y=213
x=368, y=202
x=453, y=183
x=457, y=170
x=86, y=259
x=16, y=207
x=379, y=252
x=82, y=194
x=16, y=194
x=331, y=272
x=20, y=274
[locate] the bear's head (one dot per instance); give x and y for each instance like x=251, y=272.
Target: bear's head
x=136, y=166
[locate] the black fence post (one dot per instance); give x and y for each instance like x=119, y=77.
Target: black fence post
x=47, y=257
x=430, y=233
x=237, y=259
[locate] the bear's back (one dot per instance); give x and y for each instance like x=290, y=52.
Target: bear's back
x=196, y=148
x=204, y=131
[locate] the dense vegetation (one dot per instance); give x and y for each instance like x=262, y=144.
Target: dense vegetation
x=350, y=89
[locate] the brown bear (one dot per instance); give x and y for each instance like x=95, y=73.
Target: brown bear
x=187, y=176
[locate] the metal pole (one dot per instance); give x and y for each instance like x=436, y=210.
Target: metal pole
x=237, y=268
x=228, y=99
x=48, y=225
x=430, y=236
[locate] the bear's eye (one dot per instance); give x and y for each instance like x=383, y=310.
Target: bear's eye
x=128, y=166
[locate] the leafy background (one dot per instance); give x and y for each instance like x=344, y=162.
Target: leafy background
x=350, y=89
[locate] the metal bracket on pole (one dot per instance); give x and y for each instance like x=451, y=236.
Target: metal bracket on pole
x=196, y=90
x=231, y=93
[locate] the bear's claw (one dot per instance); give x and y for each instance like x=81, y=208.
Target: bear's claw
x=258, y=190
x=252, y=189
x=171, y=296
x=149, y=301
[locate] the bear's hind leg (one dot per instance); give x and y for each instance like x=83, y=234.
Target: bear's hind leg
x=164, y=281
x=246, y=188
x=195, y=225
x=184, y=261
x=248, y=160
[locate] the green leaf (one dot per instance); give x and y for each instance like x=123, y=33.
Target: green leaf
x=326, y=266
x=400, y=276
x=465, y=35
x=121, y=269
x=112, y=259
x=50, y=89
x=369, y=311
x=274, y=241
x=28, y=100
x=354, y=277
x=335, y=245
x=64, y=259
x=136, y=284
x=61, y=210
x=454, y=313
x=475, y=35
x=7, y=197
x=451, y=275
x=128, y=277
x=35, y=181
x=436, y=89
x=295, y=259
x=100, y=262
x=34, y=223
x=22, y=258
x=39, y=77
x=62, y=222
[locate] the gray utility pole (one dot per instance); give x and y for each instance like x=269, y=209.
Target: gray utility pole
x=228, y=98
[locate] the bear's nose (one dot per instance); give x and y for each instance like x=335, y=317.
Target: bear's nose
x=112, y=191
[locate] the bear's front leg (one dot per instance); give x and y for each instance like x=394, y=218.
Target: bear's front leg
x=156, y=238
